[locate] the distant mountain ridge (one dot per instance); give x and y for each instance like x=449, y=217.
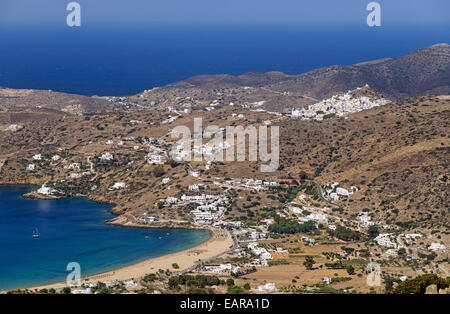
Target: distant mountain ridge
x=420, y=72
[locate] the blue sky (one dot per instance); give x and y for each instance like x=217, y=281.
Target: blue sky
x=225, y=11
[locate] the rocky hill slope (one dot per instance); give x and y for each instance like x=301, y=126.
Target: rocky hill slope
x=425, y=71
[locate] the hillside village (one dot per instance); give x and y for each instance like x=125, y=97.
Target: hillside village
x=312, y=226
x=362, y=98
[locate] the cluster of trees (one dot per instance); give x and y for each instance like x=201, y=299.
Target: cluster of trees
x=309, y=262
x=419, y=284
x=373, y=232
x=336, y=265
x=345, y=234
x=158, y=171
x=149, y=278
x=283, y=226
x=197, y=284
x=199, y=281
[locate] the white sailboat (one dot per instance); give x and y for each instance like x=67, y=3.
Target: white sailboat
x=36, y=233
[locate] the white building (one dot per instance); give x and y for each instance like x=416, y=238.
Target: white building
x=130, y=283
x=296, y=113
x=309, y=240
x=297, y=210
x=365, y=221
x=73, y=166
x=195, y=174
x=147, y=219
x=334, y=196
x=436, y=246
x=268, y=287
x=194, y=187
x=14, y=128
x=171, y=200
x=46, y=190
x=106, y=156
x=37, y=157
x=219, y=269
x=259, y=251
x=118, y=186
x=202, y=217
x=342, y=191
x=155, y=159
x=319, y=218
x=384, y=239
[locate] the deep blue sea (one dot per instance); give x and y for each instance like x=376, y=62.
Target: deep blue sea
x=125, y=60
x=72, y=230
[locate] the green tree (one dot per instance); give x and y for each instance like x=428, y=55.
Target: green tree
x=303, y=176
x=373, y=232
x=235, y=290
x=158, y=171
x=350, y=270
x=309, y=262
x=419, y=284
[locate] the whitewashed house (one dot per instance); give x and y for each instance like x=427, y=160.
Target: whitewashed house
x=384, y=239
x=436, y=246
x=268, y=287
x=44, y=190
x=118, y=186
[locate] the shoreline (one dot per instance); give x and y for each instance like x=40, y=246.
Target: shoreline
x=219, y=243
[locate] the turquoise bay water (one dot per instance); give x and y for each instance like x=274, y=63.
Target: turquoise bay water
x=72, y=230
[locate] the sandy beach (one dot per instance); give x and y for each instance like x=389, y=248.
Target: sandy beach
x=220, y=242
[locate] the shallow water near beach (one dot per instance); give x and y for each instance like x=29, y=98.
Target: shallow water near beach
x=72, y=230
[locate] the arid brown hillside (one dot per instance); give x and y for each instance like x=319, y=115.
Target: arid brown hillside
x=425, y=71
x=397, y=154
x=70, y=103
